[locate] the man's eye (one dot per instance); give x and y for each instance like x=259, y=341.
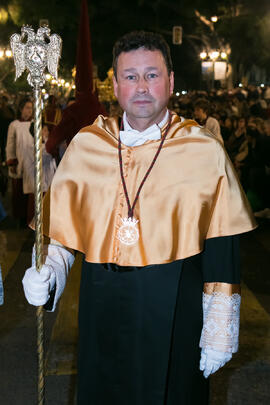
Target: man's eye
x=131, y=77
x=151, y=75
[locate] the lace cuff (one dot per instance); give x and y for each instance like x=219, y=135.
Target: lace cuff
x=221, y=317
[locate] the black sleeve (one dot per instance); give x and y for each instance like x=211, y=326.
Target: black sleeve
x=220, y=260
x=49, y=304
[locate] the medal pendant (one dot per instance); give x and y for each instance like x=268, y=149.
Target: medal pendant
x=128, y=233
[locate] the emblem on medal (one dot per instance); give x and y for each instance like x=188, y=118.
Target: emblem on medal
x=128, y=233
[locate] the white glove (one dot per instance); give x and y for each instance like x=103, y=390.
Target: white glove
x=212, y=360
x=54, y=272
x=219, y=338
x=37, y=286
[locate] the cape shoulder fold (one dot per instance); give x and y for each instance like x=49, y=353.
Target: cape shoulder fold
x=191, y=194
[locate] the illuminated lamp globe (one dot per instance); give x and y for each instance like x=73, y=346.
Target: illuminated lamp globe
x=203, y=55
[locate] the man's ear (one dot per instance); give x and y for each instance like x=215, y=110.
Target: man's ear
x=115, y=86
x=171, y=79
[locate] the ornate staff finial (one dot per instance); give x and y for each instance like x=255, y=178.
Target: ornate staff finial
x=36, y=54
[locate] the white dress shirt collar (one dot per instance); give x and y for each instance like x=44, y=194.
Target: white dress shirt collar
x=133, y=137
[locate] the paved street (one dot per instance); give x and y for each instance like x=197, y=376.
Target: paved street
x=245, y=380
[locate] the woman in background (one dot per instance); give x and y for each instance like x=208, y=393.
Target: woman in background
x=19, y=140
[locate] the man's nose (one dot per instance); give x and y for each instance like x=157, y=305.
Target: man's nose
x=142, y=85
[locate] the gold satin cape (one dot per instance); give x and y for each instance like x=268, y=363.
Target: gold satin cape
x=191, y=194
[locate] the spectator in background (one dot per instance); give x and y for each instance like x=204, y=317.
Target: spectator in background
x=267, y=127
x=63, y=145
x=86, y=107
x=202, y=115
x=237, y=142
x=267, y=93
x=52, y=113
x=227, y=127
x=1, y=288
x=6, y=116
x=3, y=249
x=260, y=125
x=241, y=103
x=267, y=112
x=19, y=140
x=256, y=177
x=2, y=212
x=79, y=114
x=48, y=170
x=255, y=107
x=70, y=101
x=115, y=109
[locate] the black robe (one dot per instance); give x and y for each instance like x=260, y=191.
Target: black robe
x=139, y=328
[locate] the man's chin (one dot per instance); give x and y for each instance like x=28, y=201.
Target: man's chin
x=141, y=113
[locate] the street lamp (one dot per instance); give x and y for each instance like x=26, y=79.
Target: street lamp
x=3, y=15
x=214, y=65
x=214, y=55
x=5, y=53
x=8, y=53
x=223, y=55
x=203, y=55
x=214, y=18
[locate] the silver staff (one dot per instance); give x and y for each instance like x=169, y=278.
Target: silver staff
x=41, y=50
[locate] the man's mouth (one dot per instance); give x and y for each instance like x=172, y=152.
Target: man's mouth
x=142, y=102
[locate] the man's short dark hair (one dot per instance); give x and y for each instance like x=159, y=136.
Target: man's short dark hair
x=141, y=39
x=203, y=104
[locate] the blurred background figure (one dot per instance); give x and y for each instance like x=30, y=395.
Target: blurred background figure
x=6, y=116
x=19, y=141
x=86, y=107
x=52, y=113
x=115, y=109
x=257, y=175
x=48, y=170
x=1, y=288
x=202, y=110
x=237, y=142
x=3, y=248
x=227, y=127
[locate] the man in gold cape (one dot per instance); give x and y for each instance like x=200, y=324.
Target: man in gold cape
x=154, y=205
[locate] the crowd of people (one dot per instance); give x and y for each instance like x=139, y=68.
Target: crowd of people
x=239, y=118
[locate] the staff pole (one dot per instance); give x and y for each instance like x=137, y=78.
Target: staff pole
x=41, y=50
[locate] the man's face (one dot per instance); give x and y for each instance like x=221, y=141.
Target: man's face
x=251, y=123
x=241, y=123
x=143, y=86
x=45, y=133
x=199, y=113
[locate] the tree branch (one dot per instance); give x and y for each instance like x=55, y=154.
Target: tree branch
x=6, y=74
